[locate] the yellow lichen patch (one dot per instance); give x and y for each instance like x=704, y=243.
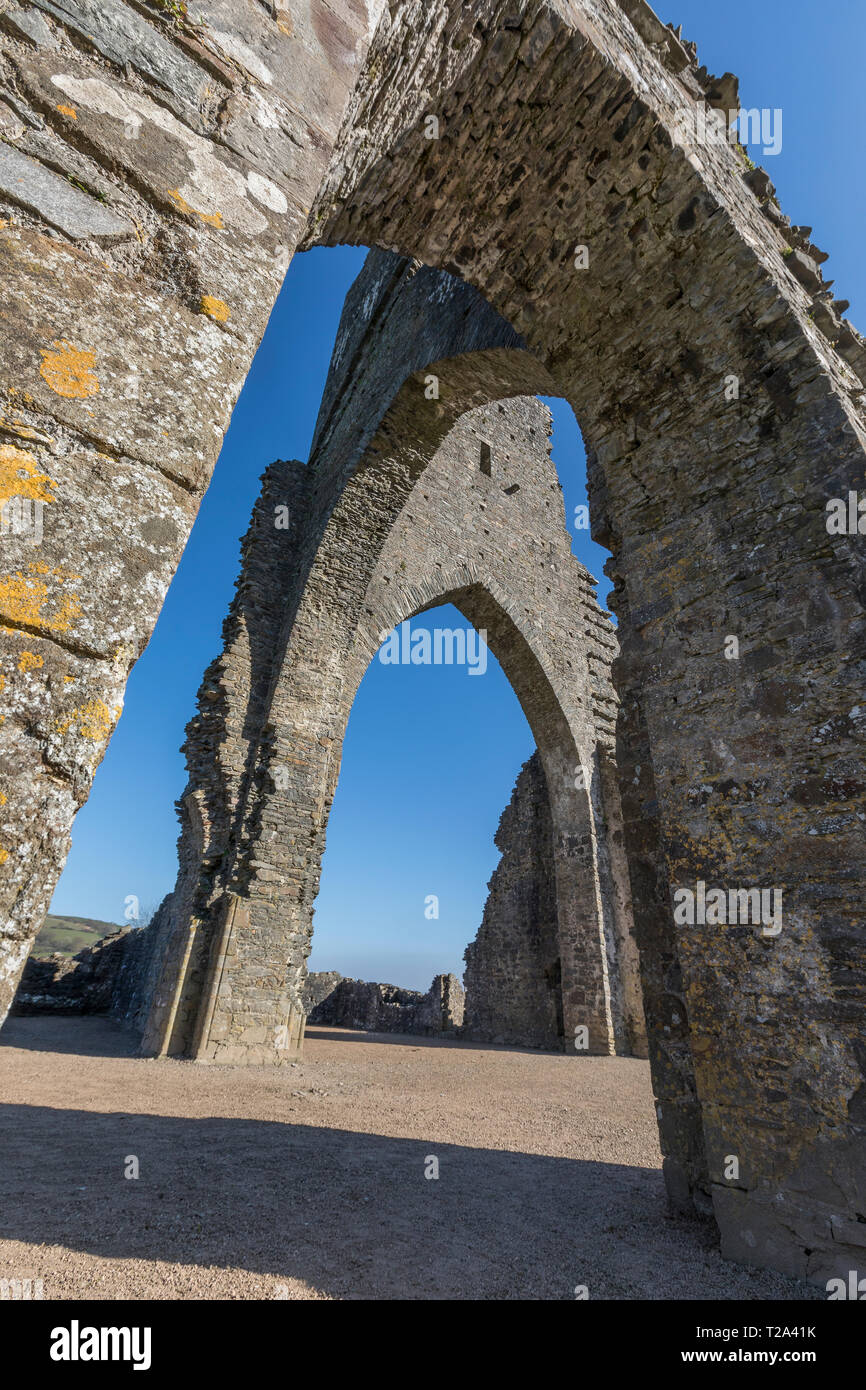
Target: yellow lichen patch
x=4, y=855
x=30, y=661
x=20, y=476
x=2, y=798
x=24, y=595
x=69, y=111
x=69, y=679
x=213, y=219
x=69, y=370
x=94, y=719
x=216, y=309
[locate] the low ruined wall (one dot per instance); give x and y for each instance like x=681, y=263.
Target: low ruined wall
x=84, y=984
x=112, y=977
x=317, y=987
x=380, y=1008
x=117, y=976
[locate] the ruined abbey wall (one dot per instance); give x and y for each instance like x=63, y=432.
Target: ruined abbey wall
x=483, y=528
x=334, y=1002
x=640, y=270
x=513, y=975
x=714, y=507
x=513, y=970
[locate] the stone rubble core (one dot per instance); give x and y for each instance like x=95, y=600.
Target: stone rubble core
x=162, y=170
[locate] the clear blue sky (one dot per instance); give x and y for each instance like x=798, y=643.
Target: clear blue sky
x=431, y=755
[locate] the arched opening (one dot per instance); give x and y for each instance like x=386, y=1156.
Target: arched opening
x=429, y=761
x=523, y=1004
x=393, y=515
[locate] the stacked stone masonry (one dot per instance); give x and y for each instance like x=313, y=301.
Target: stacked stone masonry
x=157, y=175
x=378, y=1008
x=112, y=977
x=513, y=974
x=263, y=770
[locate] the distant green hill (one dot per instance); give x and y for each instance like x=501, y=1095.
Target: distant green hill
x=69, y=935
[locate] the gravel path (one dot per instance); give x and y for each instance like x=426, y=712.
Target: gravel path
x=308, y=1181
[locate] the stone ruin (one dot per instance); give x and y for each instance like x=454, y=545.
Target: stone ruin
x=376, y=1008
x=263, y=751
x=110, y=979
x=533, y=171
x=513, y=977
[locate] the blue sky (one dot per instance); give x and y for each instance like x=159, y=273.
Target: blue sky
x=431, y=755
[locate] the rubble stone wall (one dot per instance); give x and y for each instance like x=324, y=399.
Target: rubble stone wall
x=513, y=973
x=379, y=1008
x=465, y=536
x=111, y=977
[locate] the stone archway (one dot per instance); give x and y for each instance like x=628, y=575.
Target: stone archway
x=554, y=645
x=713, y=502
x=560, y=125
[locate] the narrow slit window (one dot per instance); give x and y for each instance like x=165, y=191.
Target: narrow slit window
x=486, y=461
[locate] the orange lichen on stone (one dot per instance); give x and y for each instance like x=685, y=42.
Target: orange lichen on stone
x=216, y=309
x=20, y=476
x=94, y=719
x=69, y=370
x=69, y=111
x=30, y=661
x=24, y=595
x=213, y=219
x=4, y=855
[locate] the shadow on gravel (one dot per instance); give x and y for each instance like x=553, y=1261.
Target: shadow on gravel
x=352, y=1214
x=70, y=1033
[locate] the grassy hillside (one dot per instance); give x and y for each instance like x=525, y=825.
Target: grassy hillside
x=70, y=934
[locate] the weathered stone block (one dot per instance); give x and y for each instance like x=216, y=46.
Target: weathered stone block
x=118, y=32
x=56, y=200
x=30, y=25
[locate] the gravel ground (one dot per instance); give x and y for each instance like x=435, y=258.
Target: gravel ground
x=308, y=1181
